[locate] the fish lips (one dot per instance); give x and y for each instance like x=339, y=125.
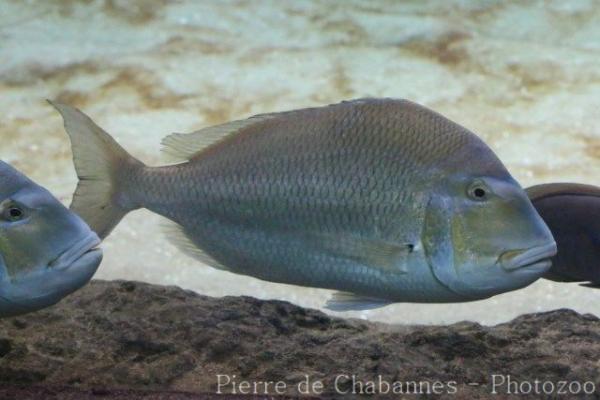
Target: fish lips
x=77, y=255
x=536, y=259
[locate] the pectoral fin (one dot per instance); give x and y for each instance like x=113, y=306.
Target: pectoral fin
x=344, y=301
x=383, y=255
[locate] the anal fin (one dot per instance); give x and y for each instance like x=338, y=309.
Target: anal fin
x=344, y=301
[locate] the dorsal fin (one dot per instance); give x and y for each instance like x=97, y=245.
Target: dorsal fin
x=184, y=146
x=548, y=190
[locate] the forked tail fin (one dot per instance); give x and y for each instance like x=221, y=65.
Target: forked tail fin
x=105, y=171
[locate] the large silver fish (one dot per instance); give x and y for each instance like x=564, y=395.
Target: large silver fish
x=381, y=199
x=46, y=251
x=572, y=212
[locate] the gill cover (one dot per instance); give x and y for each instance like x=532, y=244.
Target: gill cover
x=438, y=246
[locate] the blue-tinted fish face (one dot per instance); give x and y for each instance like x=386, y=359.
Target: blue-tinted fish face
x=501, y=242
x=498, y=241
x=46, y=251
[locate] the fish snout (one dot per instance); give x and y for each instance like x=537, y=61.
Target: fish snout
x=538, y=255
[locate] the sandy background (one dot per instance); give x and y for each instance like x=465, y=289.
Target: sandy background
x=523, y=75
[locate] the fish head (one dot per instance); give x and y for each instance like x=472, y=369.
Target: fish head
x=494, y=239
x=46, y=251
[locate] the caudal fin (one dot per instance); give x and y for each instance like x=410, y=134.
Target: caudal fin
x=104, y=169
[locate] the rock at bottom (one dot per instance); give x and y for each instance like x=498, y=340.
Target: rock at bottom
x=122, y=335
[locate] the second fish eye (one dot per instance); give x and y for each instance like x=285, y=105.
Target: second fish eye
x=13, y=213
x=478, y=192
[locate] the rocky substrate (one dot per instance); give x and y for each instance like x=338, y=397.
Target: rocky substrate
x=137, y=340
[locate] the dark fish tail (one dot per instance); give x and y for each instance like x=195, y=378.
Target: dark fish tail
x=105, y=170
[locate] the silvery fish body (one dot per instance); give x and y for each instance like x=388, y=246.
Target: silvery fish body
x=46, y=251
x=381, y=199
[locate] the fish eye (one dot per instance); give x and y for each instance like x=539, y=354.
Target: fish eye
x=13, y=213
x=478, y=191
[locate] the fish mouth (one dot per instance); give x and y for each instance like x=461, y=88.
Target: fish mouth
x=82, y=248
x=537, y=258
x=67, y=273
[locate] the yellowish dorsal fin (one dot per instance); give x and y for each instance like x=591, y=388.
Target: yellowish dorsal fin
x=383, y=255
x=179, y=238
x=184, y=146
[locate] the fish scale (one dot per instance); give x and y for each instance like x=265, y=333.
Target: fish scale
x=304, y=191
